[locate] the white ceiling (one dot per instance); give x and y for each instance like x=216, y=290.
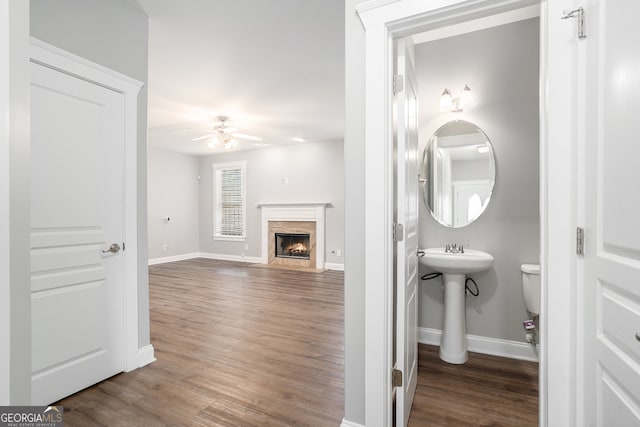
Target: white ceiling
x=275, y=67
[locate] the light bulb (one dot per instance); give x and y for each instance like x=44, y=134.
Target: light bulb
x=466, y=98
x=445, y=100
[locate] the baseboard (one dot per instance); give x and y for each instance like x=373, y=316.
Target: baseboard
x=485, y=345
x=334, y=266
x=173, y=258
x=346, y=423
x=146, y=355
x=226, y=257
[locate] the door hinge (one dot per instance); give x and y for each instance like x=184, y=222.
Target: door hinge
x=580, y=241
x=398, y=232
x=398, y=83
x=396, y=378
x=123, y=247
x=577, y=13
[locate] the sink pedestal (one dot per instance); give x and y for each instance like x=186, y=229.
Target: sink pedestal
x=454, y=267
x=453, y=343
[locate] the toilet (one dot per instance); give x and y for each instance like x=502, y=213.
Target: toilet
x=531, y=288
x=531, y=291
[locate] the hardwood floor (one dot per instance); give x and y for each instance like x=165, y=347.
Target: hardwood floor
x=485, y=391
x=239, y=345
x=235, y=345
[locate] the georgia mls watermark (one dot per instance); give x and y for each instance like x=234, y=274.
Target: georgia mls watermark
x=31, y=416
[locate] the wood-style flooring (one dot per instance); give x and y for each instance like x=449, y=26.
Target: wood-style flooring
x=485, y=391
x=237, y=345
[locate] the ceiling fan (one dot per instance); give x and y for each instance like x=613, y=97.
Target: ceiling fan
x=226, y=135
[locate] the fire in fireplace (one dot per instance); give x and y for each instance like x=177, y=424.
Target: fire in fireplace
x=289, y=245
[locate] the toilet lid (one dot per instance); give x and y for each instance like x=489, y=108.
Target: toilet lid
x=531, y=268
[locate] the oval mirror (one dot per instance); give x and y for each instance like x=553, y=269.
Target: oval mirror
x=457, y=173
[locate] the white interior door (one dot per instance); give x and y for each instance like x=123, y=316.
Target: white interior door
x=611, y=315
x=77, y=289
x=407, y=246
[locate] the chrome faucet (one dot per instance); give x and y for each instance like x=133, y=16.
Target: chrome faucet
x=454, y=249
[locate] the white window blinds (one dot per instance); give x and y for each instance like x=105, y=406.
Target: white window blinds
x=229, y=201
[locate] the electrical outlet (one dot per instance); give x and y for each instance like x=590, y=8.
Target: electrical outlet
x=165, y=247
x=246, y=247
x=338, y=252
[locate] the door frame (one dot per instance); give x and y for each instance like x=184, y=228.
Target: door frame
x=384, y=20
x=50, y=56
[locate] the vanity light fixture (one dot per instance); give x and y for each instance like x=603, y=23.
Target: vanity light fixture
x=455, y=105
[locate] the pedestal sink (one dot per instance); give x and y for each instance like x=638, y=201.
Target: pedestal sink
x=454, y=267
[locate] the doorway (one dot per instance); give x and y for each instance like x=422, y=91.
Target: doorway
x=500, y=63
x=84, y=298
x=382, y=24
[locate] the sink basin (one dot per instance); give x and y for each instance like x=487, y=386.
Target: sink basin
x=454, y=268
x=471, y=261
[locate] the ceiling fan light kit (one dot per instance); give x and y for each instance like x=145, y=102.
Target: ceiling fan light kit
x=226, y=135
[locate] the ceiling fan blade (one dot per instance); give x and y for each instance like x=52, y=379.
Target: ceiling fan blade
x=247, y=137
x=204, y=137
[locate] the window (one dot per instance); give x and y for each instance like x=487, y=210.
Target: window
x=229, y=209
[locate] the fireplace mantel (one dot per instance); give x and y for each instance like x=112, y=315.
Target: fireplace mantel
x=292, y=204
x=314, y=212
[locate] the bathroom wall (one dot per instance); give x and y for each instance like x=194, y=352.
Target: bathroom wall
x=501, y=67
x=309, y=172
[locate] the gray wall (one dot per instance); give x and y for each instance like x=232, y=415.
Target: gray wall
x=315, y=173
x=112, y=33
x=173, y=192
x=501, y=67
x=354, y=184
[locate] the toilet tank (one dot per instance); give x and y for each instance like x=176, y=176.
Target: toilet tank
x=531, y=287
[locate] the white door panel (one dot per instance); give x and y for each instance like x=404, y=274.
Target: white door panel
x=77, y=291
x=610, y=93
x=407, y=248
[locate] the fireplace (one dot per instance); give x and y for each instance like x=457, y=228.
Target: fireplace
x=293, y=220
x=293, y=245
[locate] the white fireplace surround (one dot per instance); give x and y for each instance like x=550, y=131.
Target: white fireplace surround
x=312, y=212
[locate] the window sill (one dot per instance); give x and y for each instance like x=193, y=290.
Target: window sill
x=230, y=238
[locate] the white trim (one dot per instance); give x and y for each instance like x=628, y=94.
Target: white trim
x=96, y=73
x=146, y=355
x=207, y=255
x=15, y=146
x=558, y=217
x=381, y=25
x=294, y=204
x=312, y=212
x=53, y=57
x=334, y=266
x=173, y=258
x=227, y=257
x=478, y=24
x=486, y=345
x=346, y=423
